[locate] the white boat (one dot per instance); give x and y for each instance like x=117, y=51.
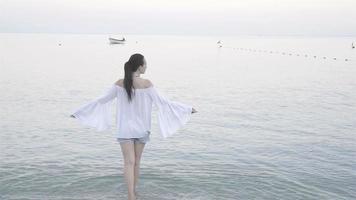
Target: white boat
x=116, y=41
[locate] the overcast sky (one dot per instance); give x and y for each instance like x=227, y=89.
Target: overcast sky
x=191, y=17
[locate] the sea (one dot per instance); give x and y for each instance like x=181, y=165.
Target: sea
x=276, y=117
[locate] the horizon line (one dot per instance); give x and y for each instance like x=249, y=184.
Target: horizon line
x=182, y=34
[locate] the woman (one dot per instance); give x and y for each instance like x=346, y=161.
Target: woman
x=135, y=98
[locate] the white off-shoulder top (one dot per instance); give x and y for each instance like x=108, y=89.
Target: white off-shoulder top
x=133, y=119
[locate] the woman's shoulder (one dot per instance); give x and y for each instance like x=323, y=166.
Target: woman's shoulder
x=120, y=82
x=145, y=82
x=148, y=83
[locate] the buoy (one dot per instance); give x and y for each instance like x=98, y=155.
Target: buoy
x=346, y=59
x=334, y=58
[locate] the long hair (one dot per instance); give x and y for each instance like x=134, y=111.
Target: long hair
x=131, y=66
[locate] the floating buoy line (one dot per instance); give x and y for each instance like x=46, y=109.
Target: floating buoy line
x=282, y=53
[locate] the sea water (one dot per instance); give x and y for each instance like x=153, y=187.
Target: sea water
x=276, y=117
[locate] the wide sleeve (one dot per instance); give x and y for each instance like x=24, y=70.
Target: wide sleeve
x=172, y=115
x=97, y=112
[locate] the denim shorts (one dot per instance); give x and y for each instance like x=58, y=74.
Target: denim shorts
x=140, y=140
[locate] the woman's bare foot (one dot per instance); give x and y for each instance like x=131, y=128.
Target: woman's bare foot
x=136, y=194
x=132, y=197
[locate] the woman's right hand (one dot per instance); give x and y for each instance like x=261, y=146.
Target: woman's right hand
x=72, y=116
x=194, y=111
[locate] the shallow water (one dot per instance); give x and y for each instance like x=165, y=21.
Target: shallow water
x=269, y=125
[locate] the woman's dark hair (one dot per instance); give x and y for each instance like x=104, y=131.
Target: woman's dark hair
x=131, y=66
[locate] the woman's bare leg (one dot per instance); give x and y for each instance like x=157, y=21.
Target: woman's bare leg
x=138, y=152
x=128, y=152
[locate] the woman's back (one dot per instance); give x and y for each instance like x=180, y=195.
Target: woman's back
x=133, y=117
